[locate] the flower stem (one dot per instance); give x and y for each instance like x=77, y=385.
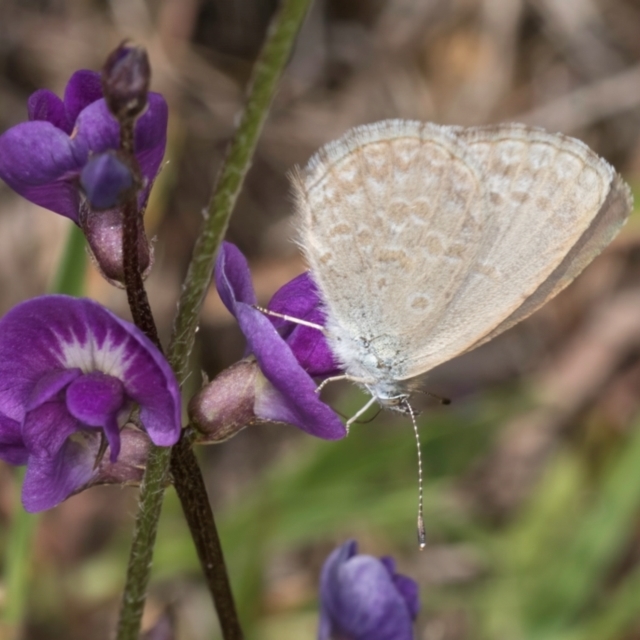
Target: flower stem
x=266, y=73
x=187, y=478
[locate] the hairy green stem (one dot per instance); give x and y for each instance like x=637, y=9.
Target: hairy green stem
x=189, y=485
x=267, y=71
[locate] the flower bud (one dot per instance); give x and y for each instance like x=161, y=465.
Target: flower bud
x=225, y=406
x=103, y=230
x=126, y=76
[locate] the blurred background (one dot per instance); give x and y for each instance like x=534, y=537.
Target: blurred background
x=532, y=482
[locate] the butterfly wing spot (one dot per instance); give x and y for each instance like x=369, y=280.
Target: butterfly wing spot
x=339, y=230
x=419, y=302
x=496, y=199
x=488, y=271
x=519, y=197
x=399, y=212
x=395, y=257
x=434, y=245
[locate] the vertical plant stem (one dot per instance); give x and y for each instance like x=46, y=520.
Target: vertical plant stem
x=144, y=537
x=187, y=478
x=266, y=73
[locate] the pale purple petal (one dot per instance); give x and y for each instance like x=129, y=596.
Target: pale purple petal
x=46, y=428
x=12, y=449
x=50, y=385
x=105, y=180
x=45, y=105
x=38, y=160
x=51, y=479
x=96, y=400
x=359, y=599
x=84, y=88
x=233, y=278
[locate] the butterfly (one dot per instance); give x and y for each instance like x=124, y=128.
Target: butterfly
x=426, y=241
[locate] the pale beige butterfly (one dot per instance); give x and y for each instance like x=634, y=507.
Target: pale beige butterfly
x=425, y=241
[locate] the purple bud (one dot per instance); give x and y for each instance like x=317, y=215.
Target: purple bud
x=107, y=181
x=126, y=76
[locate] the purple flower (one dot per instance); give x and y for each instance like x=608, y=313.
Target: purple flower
x=363, y=598
x=291, y=394
x=70, y=373
x=46, y=159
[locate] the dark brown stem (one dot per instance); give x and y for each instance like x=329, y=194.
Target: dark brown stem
x=190, y=489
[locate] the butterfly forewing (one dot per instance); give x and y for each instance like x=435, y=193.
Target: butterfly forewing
x=392, y=220
x=431, y=240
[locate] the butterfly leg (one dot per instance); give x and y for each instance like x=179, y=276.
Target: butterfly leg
x=351, y=420
x=342, y=376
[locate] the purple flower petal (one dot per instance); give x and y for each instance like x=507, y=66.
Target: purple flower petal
x=96, y=400
x=84, y=88
x=49, y=386
x=299, y=299
x=151, y=137
x=12, y=449
x=359, y=599
x=37, y=160
x=105, y=180
x=45, y=105
x=233, y=278
x=51, y=479
x=46, y=428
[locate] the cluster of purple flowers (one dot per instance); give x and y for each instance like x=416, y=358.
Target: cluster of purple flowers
x=72, y=374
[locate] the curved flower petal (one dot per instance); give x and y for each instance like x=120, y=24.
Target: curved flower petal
x=51, y=479
x=49, y=386
x=151, y=137
x=233, y=278
x=36, y=160
x=45, y=105
x=360, y=600
x=98, y=130
x=96, y=400
x=12, y=449
x=46, y=428
x=299, y=299
x=84, y=88
x=105, y=180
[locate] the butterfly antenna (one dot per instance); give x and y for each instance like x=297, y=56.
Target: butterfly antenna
x=422, y=535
